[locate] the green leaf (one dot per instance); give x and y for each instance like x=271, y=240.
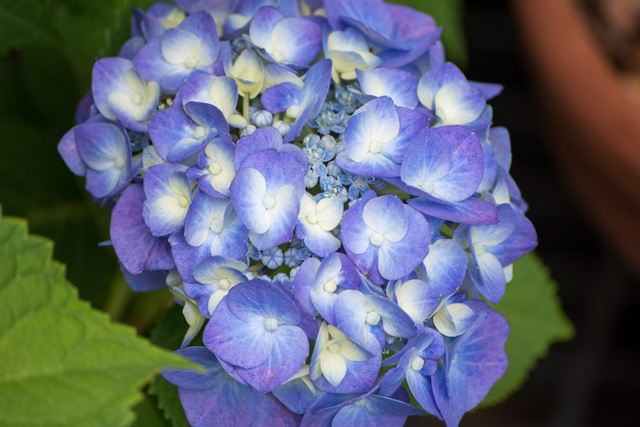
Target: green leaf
x=61, y=362
x=533, y=309
x=168, y=333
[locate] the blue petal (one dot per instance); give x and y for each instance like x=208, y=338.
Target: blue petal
x=473, y=210
x=278, y=98
x=243, y=343
x=398, y=259
x=289, y=352
x=131, y=238
x=400, y=85
x=261, y=299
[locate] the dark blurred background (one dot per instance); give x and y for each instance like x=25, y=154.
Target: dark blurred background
x=594, y=379
x=590, y=381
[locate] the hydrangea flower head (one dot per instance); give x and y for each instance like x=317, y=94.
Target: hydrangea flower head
x=324, y=194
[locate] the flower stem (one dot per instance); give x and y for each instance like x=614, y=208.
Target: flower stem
x=245, y=107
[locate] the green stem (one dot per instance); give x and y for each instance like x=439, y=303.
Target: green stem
x=245, y=107
x=118, y=298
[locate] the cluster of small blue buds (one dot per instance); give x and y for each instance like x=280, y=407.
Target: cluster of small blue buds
x=325, y=195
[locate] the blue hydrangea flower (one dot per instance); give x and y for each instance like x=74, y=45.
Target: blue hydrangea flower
x=266, y=194
x=384, y=237
x=293, y=42
x=216, y=396
x=340, y=366
x=213, y=278
x=376, y=138
x=179, y=52
x=318, y=210
x=119, y=92
x=256, y=328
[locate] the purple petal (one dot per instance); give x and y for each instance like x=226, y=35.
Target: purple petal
x=132, y=240
x=243, y=343
x=473, y=210
x=278, y=98
x=289, y=352
x=397, y=259
x=259, y=299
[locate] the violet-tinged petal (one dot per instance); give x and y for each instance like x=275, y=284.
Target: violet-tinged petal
x=314, y=93
x=445, y=162
x=520, y=242
x=400, y=85
x=445, y=266
x=296, y=42
x=191, y=379
x=121, y=93
x=289, y=352
x=69, y=152
x=132, y=240
x=303, y=281
x=146, y=281
x=473, y=210
x=418, y=299
x=384, y=215
x=279, y=98
x=472, y=365
x=248, y=199
x=222, y=92
x=395, y=322
x=239, y=342
x=297, y=394
x=355, y=233
x=106, y=151
x=398, y=259
x=218, y=398
x=216, y=169
x=259, y=299
x=488, y=90
x=351, y=318
x=262, y=139
x=168, y=194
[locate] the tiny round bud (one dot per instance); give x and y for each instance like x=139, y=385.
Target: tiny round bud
x=215, y=168
x=216, y=226
x=199, y=132
x=119, y=162
x=224, y=284
x=312, y=218
x=262, y=118
x=270, y=323
x=136, y=99
x=282, y=127
x=249, y=130
x=334, y=348
x=191, y=62
x=330, y=286
x=183, y=202
x=373, y=318
x=293, y=111
x=376, y=239
x=269, y=202
x=417, y=363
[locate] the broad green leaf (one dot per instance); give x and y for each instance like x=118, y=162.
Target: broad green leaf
x=168, y=333
x=61, y=362
x=533, y=309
